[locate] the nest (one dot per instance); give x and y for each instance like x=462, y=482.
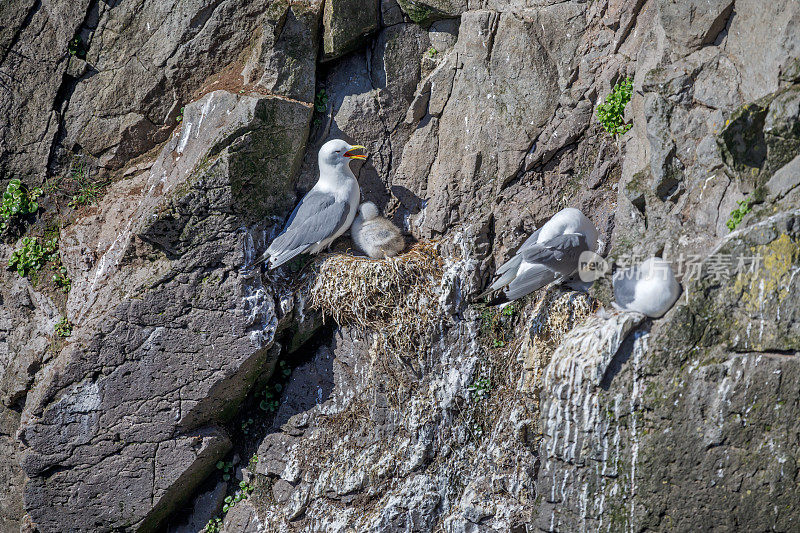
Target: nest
x=395, y=298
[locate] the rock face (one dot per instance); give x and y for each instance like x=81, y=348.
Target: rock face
x=346, y=25
x=145, y=352
x=200, y=122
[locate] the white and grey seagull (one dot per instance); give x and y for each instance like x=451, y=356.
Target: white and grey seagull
x=649, y=288
x=550, y=254
x=326, y=212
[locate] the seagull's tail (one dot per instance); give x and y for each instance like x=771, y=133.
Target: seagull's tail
x=262, y=259
x=277, y=260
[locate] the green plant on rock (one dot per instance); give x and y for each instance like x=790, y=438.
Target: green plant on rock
x=17, y=201
x=246, y=426
x=285, y=371
x=321, y=101
x=271, y=395
x=496, y=325
x=32, y=256
x=610, y=113
x=431, y=52
x=214, y=525
x=738, y=214
x=88, y=192
x=226, y=467
x=480, y=389
x=245, y=489
x=179, y=118
x=77, y=47
x=63, y=327
x=61, y=280
x=253, y=462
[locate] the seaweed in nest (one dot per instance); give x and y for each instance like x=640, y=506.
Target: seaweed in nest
x=395, y=298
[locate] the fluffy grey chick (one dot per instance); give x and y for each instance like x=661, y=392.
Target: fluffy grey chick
x=375, y=235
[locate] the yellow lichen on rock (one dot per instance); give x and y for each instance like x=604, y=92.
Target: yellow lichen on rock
x=770, y=274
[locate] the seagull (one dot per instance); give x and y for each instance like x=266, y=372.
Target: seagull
x=550, y=254
x=375, y=235
x=649, y=288
x=325, y=212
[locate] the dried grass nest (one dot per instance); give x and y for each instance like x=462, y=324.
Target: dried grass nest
x=396, y=298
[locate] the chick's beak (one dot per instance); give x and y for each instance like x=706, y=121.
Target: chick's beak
x=351, y=155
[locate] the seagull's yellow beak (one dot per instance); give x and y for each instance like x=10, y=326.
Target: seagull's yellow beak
x=351, y=155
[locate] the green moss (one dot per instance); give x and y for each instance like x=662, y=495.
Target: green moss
x=419, y=13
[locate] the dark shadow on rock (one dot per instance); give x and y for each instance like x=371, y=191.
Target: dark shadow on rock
x=373, y=189
x=311, y=384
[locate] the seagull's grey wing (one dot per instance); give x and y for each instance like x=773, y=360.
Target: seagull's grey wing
x=317, y=217
x=531, y=280
x=530, y=241
x=549, y=261
x=506, y=272
x=560, y=254
x=624, y=283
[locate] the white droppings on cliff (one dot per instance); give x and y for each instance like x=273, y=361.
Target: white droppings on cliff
x=575, y=372
x=186, y=133
x=208, y=106
x=455, y=271
x=259, y=309
x=639, y=349
x=419, y=221
x=255, y=238
x=85, y=399
x=574, y=428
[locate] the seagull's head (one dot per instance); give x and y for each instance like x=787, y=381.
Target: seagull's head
x=338, y=153
x=570, y=220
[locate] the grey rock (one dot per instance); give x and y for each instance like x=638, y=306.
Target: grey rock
x=11, y=508
x=426, y=11
x=242, y=517
x=785, y=180
x=463, y=175
x=117, y=112
x=346, y=25
x=206, y=506
x=140, y=387
x=34, y=46
x=695, y=23
x=391, y=13
x=283, y=57
x=665, y=167
x=559, y=135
